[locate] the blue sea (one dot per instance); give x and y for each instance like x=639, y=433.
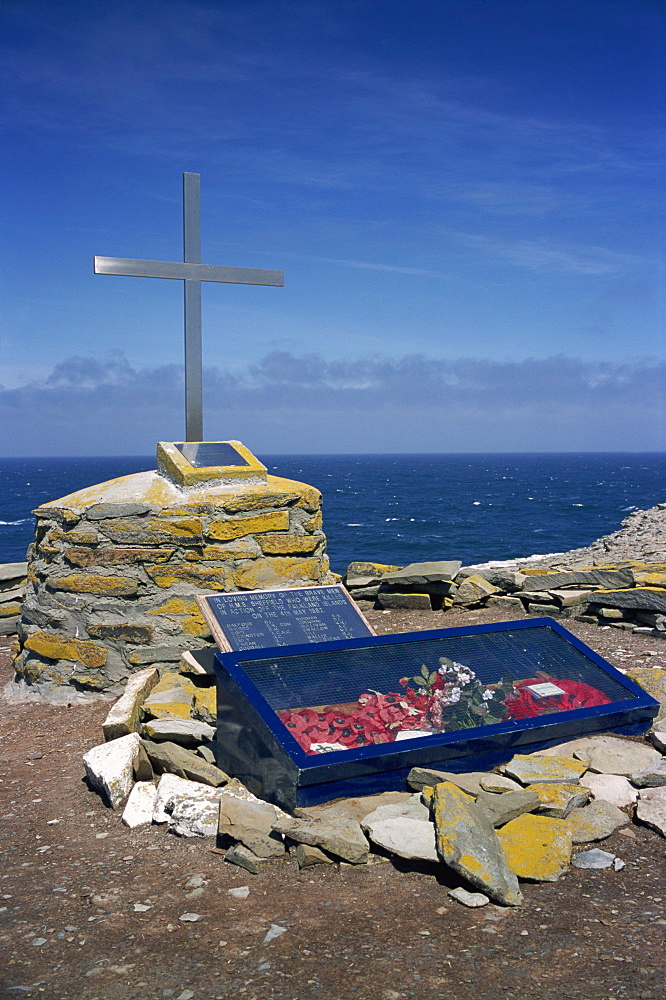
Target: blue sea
x=403, y=508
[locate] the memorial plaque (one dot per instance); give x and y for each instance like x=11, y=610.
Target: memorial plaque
x=304, y=724
x=259, y=619
x=208, y=454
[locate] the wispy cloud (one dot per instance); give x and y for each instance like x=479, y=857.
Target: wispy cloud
x=290, y=403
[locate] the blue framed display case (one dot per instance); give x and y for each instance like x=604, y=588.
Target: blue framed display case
x=301, y=725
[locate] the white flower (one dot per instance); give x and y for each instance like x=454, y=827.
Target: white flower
x=488, y=694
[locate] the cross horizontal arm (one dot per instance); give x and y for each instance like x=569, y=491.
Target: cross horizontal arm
x=128, y=267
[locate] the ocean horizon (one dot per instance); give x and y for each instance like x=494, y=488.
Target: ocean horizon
x=402, y=508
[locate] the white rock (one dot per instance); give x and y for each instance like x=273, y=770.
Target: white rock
x=196, y=816
x=404, y=836
x=190, y=808
x=124, y=715
x=274, y=932
x=110, y=767
x=610, y=755
x=170, y=788
x=611, y=787
x=240, y=892
x=595, y=859
x=657, y=794
x=652, y=812
x=471, y=899
x=140, y=804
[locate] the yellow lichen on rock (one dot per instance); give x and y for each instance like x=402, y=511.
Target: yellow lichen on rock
x=186, y=613
x=287, y=544
x=536, y=847
x=276, y=572
x=58, y=647
x=80, y=583
x=202, y=577
x=225, y=531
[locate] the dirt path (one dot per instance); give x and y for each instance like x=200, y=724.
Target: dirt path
x=72, y=874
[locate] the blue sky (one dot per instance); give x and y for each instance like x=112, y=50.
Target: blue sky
x=466, y=197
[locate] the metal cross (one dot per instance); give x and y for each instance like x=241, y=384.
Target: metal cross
x=191, y=272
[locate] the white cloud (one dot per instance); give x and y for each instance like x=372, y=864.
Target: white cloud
x=289, y=404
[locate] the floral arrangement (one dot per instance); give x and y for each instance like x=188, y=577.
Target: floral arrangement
x=450, y=697
x=434, y=701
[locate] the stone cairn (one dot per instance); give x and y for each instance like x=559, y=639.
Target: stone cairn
x=490, y=830
x=114, y=570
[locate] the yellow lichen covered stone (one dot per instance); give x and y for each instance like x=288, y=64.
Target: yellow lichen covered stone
x=314, y=523
x=654, y=579
x=467, y=843
x=80, y=583
x=205, y=704
x=536, y=847
x=559, y=799
x=243, y=548
x=276, y=572
x=286, y=544
x=114, y=556
x=186, y=613
x=225, y=531
x=10, y=609
x=171, y=698
x=74, y=537
x=57, y=647
x=202, y=577
x=532, y=768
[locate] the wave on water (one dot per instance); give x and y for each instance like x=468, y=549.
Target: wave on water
x=22, y=520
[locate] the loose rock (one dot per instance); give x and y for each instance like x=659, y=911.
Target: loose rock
x=595, y=822
x=610, y=755
x=110, y=768
x=594, y=859
x=535, y=769
x=467, y=842
x=536, y=847
x=471, y=899
x=614, y=788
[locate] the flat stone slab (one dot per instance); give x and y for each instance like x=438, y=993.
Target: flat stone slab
x=536, y=847
x=425, y=777
x=342, y=837
x=13, y=571
x=596, y=579
x=424, y=572
x=613, y=788
x=658, y=740
x=558, y=800
x=501, y=809
x=610, y=755
x=240, y=855
x=110, y=768
x=467, y=843
x=403, y=835
x=498, y=783
x=171, y=788
x=175, y=759
x=651, y=777
x=251, y=823
x=353, y=808
x=595, y=859
x=595, y=822
x=471, y=899
x=652, y=813
x=644, y=598
x=531, y=769
x=308, y=856
x=123, y=717
x=140, y=805
x=187, y=732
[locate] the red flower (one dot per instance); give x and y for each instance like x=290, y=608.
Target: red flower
x=576, y=695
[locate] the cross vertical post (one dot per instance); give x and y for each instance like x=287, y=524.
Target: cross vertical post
x=192, y=305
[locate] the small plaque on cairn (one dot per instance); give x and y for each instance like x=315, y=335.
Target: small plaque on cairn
x=199, y=463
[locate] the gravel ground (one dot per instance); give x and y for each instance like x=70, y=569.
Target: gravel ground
x=72, y=876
